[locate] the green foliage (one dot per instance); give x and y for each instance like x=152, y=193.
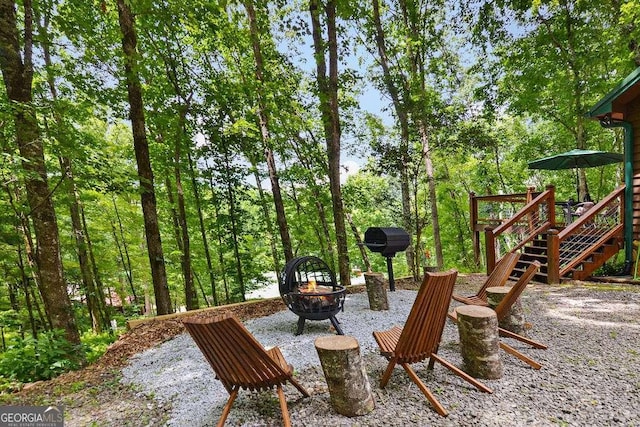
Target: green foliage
x=32, y=359
x=96, y=344
x=613, y=267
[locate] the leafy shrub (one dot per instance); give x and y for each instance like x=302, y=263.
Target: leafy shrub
x=31, y=360
x=95, y=345
x=8, y=386
x=610, y=268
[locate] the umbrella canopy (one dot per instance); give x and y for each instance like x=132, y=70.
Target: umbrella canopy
x=576, y=159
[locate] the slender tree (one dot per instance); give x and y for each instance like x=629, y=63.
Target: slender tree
x=203, y=231
x=263, y=116
x=327, y=83
x=95, y=305
x=145, y=173
x=17, y=73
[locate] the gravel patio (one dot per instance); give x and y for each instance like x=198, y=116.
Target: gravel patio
x=589, y=375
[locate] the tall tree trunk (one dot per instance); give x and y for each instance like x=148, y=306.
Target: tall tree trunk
x=24, y=280
x=176, y=228
x=30, y=295
x=123, y=250
x=180, y=138
x=417, y=68
x=324, y=239
x=191, y=295
x=145, y=173
x=433, y=198
x=223, y=269
x=399, y=96
x=328, y=94
x=174, y=213
x=234, y=227
x=123, y=261
x=94, y=305
x=267, y=220
x=96, y=275
x=18, y=77
x=264, y=132
x=185, y=263
x=24, y=228
x=203, y=231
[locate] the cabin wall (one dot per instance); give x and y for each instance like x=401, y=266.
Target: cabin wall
x=633, y=116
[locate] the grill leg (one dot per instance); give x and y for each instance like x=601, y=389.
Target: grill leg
x=392, y=283
x=336, y=325
x=300, y=325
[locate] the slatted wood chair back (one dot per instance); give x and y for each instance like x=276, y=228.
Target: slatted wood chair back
x=236, y=357
x=514, y=293
x=422, y=331
x=498, y=277
x=502, y=272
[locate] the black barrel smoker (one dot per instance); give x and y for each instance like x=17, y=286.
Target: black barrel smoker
x=388, y=241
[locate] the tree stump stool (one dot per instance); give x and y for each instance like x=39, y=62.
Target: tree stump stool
x=345, y=374
x=376, y=291
x=514, y=319
x=479, y=341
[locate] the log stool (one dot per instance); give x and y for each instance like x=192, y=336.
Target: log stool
x=479, y=341
x=345, y=374
x=513, y=320
x=376, y=291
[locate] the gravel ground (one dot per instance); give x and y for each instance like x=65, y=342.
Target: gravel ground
x=589, y=377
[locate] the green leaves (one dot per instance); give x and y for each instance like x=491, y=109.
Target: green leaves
x=29, y=360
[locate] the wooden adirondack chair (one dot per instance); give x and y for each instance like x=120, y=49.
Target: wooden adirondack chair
x=498, y=277
x=420, y=337
x=503, y=310
x=240, y=361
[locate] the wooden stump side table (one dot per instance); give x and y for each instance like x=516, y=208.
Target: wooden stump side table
x=345, y=374
x=479, y=341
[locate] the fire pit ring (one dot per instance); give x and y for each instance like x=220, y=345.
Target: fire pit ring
x=308, y=287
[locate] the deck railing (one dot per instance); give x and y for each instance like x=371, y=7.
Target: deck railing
x=583, y=237
x=527, y=224
x=569, y=243
x=491, y=211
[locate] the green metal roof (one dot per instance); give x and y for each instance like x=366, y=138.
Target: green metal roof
x=614, y=102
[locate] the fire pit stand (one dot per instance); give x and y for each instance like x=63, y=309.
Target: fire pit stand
x=308, y=287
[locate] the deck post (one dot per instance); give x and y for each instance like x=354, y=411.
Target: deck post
x=490, y=244
x=551, y=205
x=553, y=257
x=475, y=234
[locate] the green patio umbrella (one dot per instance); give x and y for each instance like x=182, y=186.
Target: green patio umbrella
x=575, y=159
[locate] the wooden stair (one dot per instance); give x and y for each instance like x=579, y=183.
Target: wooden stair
x=536, y=250
x=604, y=252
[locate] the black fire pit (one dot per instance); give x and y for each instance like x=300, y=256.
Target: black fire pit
x=387, y=241
x=308, y=287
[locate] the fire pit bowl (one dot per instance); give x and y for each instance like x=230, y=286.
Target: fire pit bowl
x=308, y=287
